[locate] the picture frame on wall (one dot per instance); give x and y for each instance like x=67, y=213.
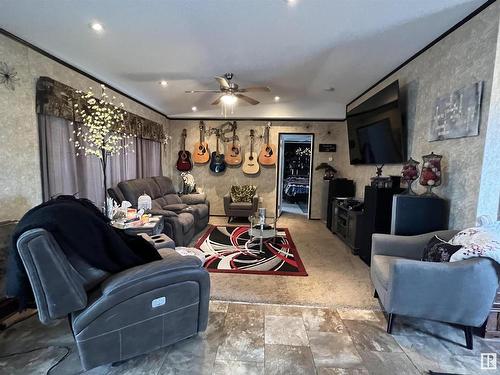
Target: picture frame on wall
x=457, y=114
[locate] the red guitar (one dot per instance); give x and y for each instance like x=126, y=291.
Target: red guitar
x=184, y=163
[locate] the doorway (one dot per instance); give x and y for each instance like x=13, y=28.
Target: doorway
x=294, y=173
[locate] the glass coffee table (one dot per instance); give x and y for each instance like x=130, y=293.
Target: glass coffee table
x=262, y=228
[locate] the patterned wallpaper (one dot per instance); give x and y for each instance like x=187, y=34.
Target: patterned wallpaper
x=463, y=57
x=20, y=181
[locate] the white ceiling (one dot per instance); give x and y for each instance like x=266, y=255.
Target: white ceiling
x=297, y=49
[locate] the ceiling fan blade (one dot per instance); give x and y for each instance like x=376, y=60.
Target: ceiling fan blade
x=195, y=91
x=217, y=101
x=247, y=99
x=255, y=89
x=222, y=82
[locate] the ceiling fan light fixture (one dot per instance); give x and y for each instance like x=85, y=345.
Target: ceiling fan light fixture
x=229, y=99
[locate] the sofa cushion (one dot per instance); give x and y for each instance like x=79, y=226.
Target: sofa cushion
x=241, y=205
x=172, y=199
x=132, y=189
x=178, y=207
x=242, y=193
x=381, y=265
x=165, y=184
x=193, y=199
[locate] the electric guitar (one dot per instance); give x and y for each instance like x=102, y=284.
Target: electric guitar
x=217, y=162
x=267, y=154
x=201, y=154
x=184, y=159
x=233, y=151
x=251, y=165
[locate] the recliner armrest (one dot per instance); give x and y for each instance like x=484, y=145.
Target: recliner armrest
x=165, y=213
x=195, y=198
x=173, y=263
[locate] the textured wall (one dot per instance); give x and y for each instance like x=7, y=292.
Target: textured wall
x=463, y=57
x=489, y=194
x=20, y=180
x=216, y=186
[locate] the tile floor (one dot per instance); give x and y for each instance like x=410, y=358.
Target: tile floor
x=269, y=339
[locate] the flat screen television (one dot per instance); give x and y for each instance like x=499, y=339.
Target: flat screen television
x=375, y=129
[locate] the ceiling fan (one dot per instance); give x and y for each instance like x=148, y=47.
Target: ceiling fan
x=231, y=92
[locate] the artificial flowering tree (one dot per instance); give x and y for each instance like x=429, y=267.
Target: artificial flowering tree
x=101, y=132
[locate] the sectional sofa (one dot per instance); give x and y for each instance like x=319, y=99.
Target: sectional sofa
x=184, y=215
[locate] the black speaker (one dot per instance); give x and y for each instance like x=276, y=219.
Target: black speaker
x=418, y=214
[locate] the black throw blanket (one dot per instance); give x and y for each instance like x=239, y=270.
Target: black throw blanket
x=79, y=228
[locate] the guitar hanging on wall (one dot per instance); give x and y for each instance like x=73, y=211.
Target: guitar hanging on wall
x=217, y=161
x=267, y=154
x=233, y=151
x=251, y=165
x=201, y=153
x=184, y=159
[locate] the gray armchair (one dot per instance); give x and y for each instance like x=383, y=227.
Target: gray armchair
x=240, y=209
x=457, y=292
x=120, y=316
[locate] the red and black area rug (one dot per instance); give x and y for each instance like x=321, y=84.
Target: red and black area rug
x=231, y=249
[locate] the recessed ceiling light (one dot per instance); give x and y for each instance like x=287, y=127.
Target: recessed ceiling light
x=330, y=89
x=194, y=109
x=291, y=2
x=164, y=83
x=277, y=98
x=96, y=26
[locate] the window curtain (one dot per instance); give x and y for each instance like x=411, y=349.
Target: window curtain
x=63, y=172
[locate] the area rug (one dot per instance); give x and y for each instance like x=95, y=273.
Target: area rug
x=231, y=249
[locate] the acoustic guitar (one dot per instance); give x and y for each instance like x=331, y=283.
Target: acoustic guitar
x=201, y=154
x=233, y=151
x=217, y=162
x=267, y=155
x=184, y=159
x=251, y=165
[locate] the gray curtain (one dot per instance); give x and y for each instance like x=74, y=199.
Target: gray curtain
x=65, y=173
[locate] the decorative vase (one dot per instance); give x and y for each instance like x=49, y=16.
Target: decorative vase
x=409, y=174
x=430, y=176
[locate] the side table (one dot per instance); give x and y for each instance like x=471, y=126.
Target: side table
x=151, y=228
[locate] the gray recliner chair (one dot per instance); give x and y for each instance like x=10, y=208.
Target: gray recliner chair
x=460, y=293
x=116, y=317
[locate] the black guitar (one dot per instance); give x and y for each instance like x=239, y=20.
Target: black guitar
x=217, y=162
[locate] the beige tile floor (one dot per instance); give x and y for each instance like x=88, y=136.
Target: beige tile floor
x=269, y=339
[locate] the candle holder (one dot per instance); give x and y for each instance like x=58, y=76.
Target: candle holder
x=409, y=174
x=430, y=177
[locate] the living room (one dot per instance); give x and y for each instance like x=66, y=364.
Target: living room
x=154, y=221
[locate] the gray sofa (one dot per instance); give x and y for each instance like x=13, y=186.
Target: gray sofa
x=184, y=215
x=240, y=209
x=455, y=292
x=120, y=316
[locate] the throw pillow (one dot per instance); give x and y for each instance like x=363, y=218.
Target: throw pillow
x=438, y=250
x=481, y=241
x=242, y=193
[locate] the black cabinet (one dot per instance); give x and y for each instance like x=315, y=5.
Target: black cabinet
x=376, y=217
x=339, y=187
x=345, y=224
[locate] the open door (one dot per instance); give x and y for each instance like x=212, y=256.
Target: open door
x=293, y=187
x=281, y=166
